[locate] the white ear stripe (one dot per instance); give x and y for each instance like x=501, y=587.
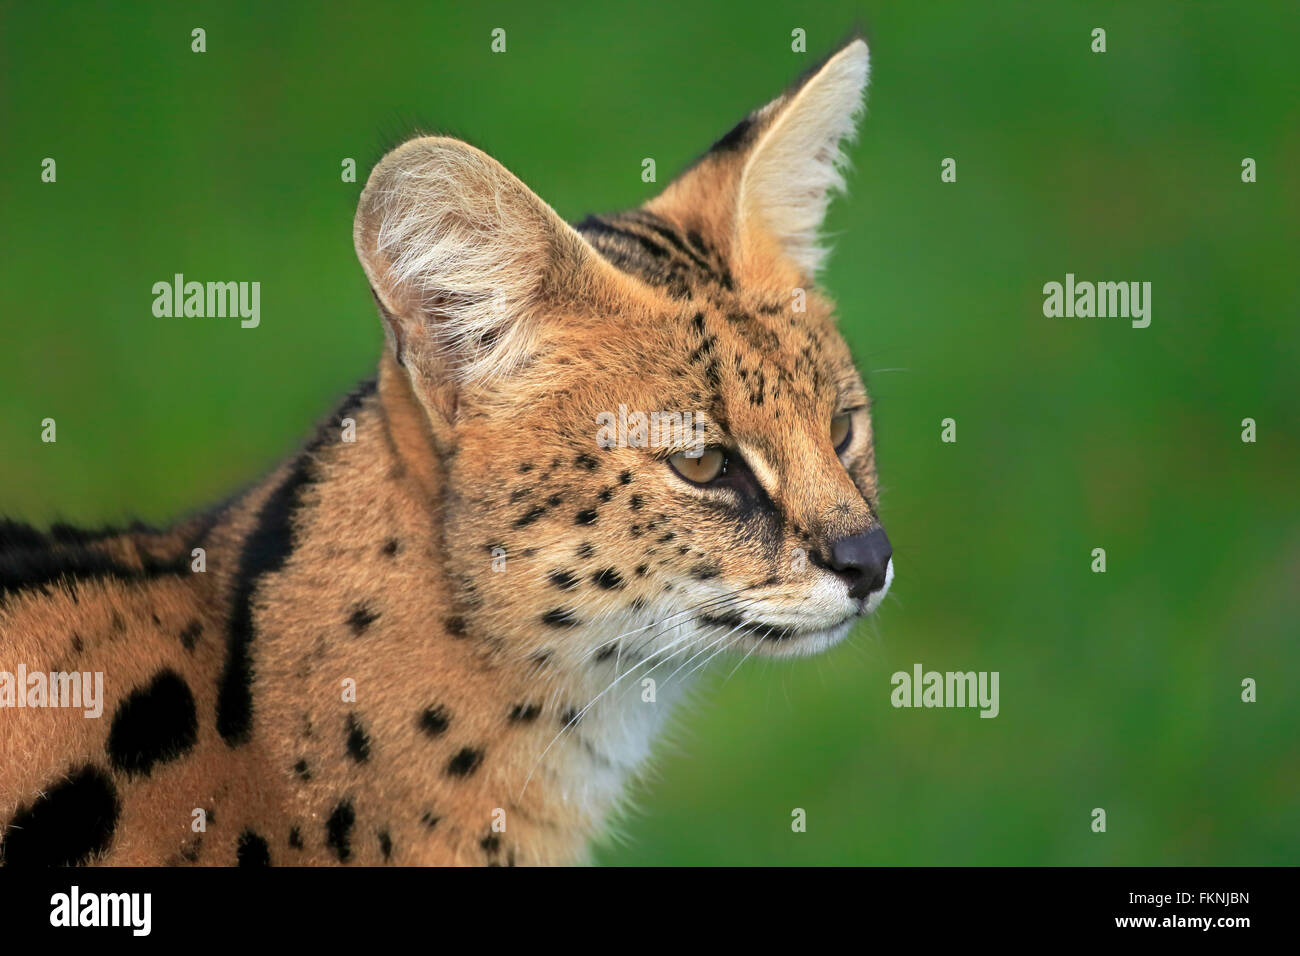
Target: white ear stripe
x=798, y=164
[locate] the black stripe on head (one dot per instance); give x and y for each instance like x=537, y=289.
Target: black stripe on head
x=638, y=255
x=663, y=229
x=637, y=252
x=601, y=227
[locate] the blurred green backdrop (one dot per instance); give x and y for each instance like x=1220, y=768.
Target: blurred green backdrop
x=1118, y=690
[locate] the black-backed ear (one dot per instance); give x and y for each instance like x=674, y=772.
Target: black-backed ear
x=465, y=262
x=760, y=194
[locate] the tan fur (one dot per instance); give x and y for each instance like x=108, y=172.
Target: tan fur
x=509, y=332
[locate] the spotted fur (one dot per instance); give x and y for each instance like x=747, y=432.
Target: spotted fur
x=494, y=584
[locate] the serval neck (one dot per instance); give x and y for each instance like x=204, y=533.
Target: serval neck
x=357, y=661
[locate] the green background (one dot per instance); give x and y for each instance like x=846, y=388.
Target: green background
x=1118, y=690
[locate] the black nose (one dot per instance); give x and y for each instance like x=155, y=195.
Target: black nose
x=862, y=560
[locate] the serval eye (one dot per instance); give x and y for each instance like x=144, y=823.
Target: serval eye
x=701, y=469
x=841, y=431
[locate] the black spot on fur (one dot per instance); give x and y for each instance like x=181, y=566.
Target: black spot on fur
x=252, y=850
x=641, y=570
x=66, y=825
x=570, y=717
x=302, y=770
x=434, y=721
x=586, y=461
x=190, y=636
x=338, y=830
x=390, y=547
x=625, y=478
x=555, y=501
x=360, y=619
x=585, y=516
x=606, y=652
x=529, y=516
x=525, y=713
x=190, y=852
x=635, y=502
x=295, y=838
x=78, y=645
x=585, y=550
x=455, y=626
x=358, y=740
x=465, y=762
x=385, y=844
x=559, y=617
x=609, y=579
x=564, y=580
x=153, y=725
x=491, y=844
x=429, y=820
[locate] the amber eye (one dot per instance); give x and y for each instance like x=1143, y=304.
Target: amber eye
x=700, y=469
x=841, y=431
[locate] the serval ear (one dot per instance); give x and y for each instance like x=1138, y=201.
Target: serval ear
x=467, y=265
x=760, y=193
